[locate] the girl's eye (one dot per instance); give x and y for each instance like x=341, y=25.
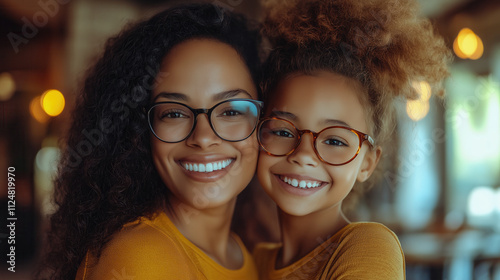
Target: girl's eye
x=335, y=142
x=282, y=133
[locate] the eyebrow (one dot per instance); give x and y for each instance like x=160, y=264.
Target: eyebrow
x=284, y=115
x=219, y=96
x=173, y=96
x=291, y=117
x=229, y=94
x=334, y=122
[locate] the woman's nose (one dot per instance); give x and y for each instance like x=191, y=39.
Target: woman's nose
x=203, y=135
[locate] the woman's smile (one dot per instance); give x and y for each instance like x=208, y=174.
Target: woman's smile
x=203, y=74
x=206, y=168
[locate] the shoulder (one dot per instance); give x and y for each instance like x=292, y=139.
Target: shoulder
x=374, y=233
x=141, y=251
x=371, y=240
x=367, y=251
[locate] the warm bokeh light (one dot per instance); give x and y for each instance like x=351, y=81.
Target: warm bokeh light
x=457, y=50
x=479, y=50
x=468, y=45
x=53, y=102
x=417, y=109
x=463, y=44
x=423, y=89
x=36, y=110
x=7, y=86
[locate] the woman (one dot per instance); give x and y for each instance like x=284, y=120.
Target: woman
x=171, y=107
x=330, y=81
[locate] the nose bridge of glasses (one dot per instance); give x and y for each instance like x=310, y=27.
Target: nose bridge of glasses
x=301, y=135
x=197, y=112
x=302, y=132
x=196, y=121
x=313, y=134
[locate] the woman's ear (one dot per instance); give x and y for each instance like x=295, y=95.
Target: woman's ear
x=370, y=161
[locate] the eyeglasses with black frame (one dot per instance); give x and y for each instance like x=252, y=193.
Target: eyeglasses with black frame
x=231, y=120
x=334, y=145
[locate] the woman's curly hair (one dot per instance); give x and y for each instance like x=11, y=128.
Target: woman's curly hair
x=382, y=44
x=106, y=176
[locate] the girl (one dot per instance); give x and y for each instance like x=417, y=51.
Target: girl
x=330, y=80
x=171, y=108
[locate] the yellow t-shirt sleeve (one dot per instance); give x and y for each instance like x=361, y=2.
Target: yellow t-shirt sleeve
x=369, y=251
x=139, y=253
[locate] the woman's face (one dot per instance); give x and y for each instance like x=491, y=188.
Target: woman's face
x=201, y=73
x=314, y=103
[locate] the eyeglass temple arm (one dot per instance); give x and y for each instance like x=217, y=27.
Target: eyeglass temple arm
x=370, y=140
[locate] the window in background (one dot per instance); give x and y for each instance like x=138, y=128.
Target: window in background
x=472, y=122
x=419, y=181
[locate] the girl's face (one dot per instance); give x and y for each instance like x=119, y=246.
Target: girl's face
x=314, y=103
x=204, y=171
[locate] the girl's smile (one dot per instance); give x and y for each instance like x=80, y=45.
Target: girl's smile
x=299, y=185
x=300, y=182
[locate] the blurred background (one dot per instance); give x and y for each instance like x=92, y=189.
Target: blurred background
x=441, y=194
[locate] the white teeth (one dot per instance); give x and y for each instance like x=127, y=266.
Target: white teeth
x=300, y=184
x=210, y=167
x=207, y=167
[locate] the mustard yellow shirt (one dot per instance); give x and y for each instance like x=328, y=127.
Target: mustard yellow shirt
x=356, y=252
x=155, y=249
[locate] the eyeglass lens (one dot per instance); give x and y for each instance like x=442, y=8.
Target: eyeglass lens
x=335, y=145
x=233, y=120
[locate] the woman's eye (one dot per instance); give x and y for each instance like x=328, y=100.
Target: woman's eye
x=230, y=113
x=172, y=115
